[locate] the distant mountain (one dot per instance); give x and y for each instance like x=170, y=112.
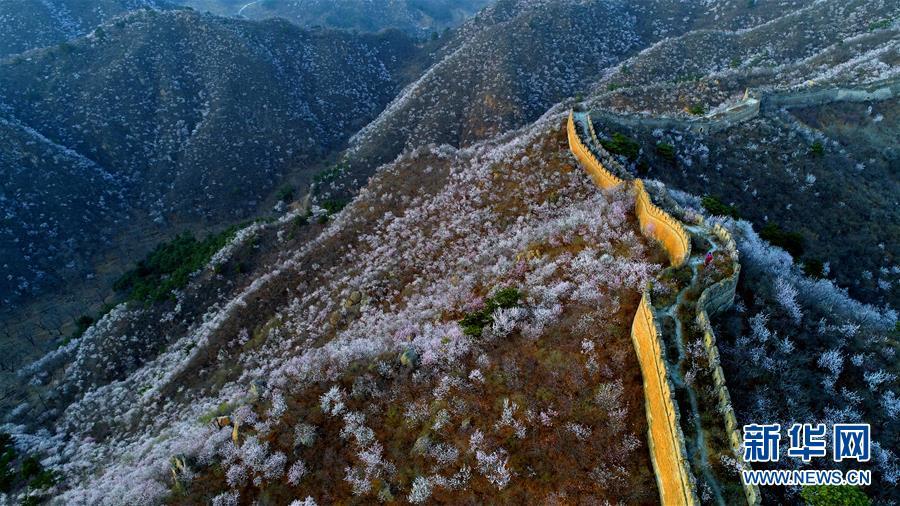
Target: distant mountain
x=29, y=24
x=812, y=161
x=416, y=17
x=515, y=59
x=165, y=119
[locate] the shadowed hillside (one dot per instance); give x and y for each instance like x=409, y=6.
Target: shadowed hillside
x=512, y=61
x=416, y=17
x=29, y=24
x=165, y=121
x=813, y=164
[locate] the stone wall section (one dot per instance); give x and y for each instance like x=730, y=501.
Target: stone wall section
x=717, y=298
x=665, y=438
x=668, y=452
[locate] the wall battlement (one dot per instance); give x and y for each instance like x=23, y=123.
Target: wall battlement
x=715, y=299
x=668, y=452
x=603, y=177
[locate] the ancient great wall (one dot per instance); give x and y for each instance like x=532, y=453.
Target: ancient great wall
x=675, y=457
x=760, y=102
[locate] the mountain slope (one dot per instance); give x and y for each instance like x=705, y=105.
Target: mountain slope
x=193, y=119
x=460, y=331
x=30, y=24
x=416, y=17
x=811, y=161
x=515, y=59
x=332, y=315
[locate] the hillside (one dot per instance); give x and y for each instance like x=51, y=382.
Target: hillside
x=415, y=17
x=190, y=121
x=560, y=254
x=820, y=44
x=515, y=59
x=27, y=24
x=809, y=162
x=335, y=313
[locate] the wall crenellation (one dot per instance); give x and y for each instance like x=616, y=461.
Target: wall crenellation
x=715, y=299
x=666, y=441
x=668, y=451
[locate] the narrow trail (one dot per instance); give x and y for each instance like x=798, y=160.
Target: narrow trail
x=676, y=364
x=240, y=11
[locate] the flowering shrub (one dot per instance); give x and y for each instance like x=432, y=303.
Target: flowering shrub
x=305, y=360
x=473, y=323
x=799, y=349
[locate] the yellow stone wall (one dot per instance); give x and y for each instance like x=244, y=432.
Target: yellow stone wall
x=654, y=221
x=658, y=224
x=665, y=439
x=604, y=178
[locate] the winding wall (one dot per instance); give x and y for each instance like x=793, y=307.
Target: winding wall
x=716, y=298
x=654, y=221
x=665, y=438
x=767, y=101
x=604, y=178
